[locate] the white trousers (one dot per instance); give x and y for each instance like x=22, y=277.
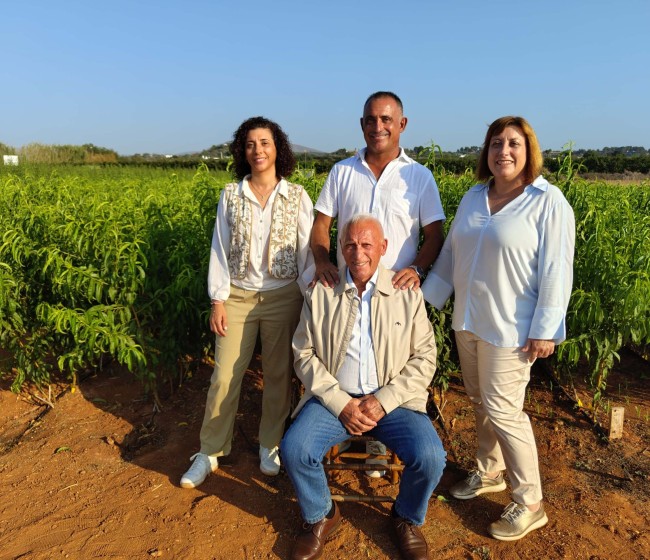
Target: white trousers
x=495, y=379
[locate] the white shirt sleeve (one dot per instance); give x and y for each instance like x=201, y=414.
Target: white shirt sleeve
x=430, y=204
x=439, y=284
x=327, y=202
x=306, y=268
x=218, y=272
x=554, y=273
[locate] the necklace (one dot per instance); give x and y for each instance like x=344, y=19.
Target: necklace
x=258, y=192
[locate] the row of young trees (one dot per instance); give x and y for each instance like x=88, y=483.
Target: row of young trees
x=111, y=263
x=61, y=154
x=103, y=266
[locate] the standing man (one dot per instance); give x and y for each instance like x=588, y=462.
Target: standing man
x=402, y=194
x=383, y=181
x=365, y=352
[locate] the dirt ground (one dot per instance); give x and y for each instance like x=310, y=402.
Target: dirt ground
x=97, y=476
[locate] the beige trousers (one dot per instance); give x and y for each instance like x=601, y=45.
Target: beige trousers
x=274, y=314
x=495, y=379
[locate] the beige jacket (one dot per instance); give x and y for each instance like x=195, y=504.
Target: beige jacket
x=405, y=347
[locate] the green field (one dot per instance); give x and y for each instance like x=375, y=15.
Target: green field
x=110, y=263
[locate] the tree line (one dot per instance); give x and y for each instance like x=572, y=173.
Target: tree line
x=61, y=154
x=609, y=160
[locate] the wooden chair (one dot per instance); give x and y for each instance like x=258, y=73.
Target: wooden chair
x=349, y=460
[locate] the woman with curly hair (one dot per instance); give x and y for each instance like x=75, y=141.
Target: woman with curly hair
x=260, y=251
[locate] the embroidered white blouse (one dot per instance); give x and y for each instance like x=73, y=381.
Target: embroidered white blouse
x=258, y=277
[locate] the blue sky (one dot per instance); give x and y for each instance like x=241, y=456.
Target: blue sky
x=171, y=76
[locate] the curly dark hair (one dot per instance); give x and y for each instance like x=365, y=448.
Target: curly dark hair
x=285, y=161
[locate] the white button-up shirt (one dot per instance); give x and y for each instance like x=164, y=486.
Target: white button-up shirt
x=358, y=374
x=404, y=199
x=258, y=277
x=511, y=271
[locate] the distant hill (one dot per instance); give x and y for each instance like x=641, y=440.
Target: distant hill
x=220, y=150
x=298, y=149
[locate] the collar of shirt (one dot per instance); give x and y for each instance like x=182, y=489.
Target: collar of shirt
x=370, y=285
x=540, y=183
x=245, y=188
x=358, y=372
x=382, y=279
x=361, y=154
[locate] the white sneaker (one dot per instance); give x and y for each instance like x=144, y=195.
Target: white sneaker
x=378, y=448
x=517, y=521
x=202, y=466
x=269, y=461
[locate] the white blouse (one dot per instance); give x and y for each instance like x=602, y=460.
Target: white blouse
x=258, y=277
x=511, y=271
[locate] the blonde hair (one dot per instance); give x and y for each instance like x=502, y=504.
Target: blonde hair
x=534, y=159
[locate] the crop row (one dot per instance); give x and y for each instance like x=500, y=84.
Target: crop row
x=98, y=265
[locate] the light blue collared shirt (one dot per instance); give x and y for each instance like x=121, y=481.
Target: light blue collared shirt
x=511, y=271
x=358, y=374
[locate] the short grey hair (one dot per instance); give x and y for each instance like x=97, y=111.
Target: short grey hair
x=363, y=217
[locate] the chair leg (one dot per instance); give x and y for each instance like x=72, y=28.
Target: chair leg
x=334, y=464
x=395, y=473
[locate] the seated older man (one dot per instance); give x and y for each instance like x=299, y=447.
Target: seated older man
x=366, y=353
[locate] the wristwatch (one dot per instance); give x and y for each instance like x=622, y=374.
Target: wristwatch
x=421, y=274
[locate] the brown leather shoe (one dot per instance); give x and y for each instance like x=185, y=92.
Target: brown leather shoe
x=410, y=540
x=310, y=541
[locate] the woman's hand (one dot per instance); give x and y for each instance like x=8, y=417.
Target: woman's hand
x=218, y=319
x=538, y=348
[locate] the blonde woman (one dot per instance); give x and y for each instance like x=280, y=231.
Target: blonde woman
x=509, y=259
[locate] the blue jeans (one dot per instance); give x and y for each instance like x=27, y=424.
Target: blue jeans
x=408, y=433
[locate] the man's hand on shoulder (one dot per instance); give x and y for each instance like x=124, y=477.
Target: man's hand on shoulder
x=355, y=421
x=327, y=274
x=406, y=278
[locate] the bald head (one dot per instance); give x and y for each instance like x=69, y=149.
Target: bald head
x=361, y=218
x=363, y=244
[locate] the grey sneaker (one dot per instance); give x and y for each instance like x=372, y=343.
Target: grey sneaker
x=517, y=521
x=202, y=466
x=269, y=461
x=475, y=484
x=378, y=448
